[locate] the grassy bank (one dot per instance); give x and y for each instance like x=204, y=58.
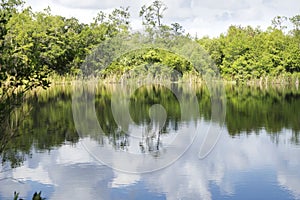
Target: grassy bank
x=285, y=79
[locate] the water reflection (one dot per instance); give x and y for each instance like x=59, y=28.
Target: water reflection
x=256, y=157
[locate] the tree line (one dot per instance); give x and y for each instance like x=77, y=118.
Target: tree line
x=36, y=44
x=245, y=53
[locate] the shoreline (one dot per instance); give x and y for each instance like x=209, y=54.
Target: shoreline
x=262, y=82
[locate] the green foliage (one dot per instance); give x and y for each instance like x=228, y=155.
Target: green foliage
x=143, y=60
x=7, y=9
x=245, y=53
x=42, y=41
x=296, y=22
x=153, y=14
x=177, y=29
x=36, y=44
x=278, y=22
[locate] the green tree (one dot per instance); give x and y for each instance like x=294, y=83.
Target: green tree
x=177, y=29
x=153, y=14
x=119, y=19
x=278, y=22
x=8, y=8
x=246, y=53
x=296, y=22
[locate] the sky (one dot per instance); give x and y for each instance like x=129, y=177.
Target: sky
x=199, y=17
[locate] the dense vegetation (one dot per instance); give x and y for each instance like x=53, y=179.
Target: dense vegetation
x=36, y=44
x=245, y=53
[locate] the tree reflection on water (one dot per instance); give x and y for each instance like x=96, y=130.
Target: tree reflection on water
x=49, y=123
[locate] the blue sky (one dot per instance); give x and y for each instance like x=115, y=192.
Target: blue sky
x=197, y=16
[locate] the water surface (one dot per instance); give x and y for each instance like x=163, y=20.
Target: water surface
x=256, y=157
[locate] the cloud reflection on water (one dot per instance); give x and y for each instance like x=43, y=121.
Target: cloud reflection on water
x=73, y=173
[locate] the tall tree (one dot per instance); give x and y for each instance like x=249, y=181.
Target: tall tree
x=119, y=19
x=153, y=14
x=296, y=22
x=278, y=22
x=7, y=9
x=177, y=29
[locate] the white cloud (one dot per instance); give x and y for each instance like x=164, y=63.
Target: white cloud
x=74, y=175
x=38, y=174
x=196, y=16
x=90, y=4
x=124, y=180
x=69, y=155
x=221, y=4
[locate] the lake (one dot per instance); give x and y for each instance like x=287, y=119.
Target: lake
x=154, y=141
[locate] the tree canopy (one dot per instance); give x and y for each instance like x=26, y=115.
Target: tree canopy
x=245, y=53
x=36, y=44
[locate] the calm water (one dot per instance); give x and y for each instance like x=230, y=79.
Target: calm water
x=256, y=157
